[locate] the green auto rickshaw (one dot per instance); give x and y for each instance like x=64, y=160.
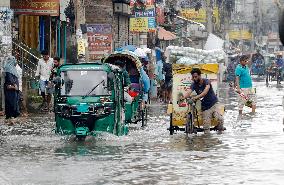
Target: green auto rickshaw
x=135, y=111
x=89, y=100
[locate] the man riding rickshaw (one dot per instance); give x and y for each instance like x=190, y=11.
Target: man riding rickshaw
x=194, y=106
x=275, y=70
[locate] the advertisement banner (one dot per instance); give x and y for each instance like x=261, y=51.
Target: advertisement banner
x=182, y=81
x=99, y=40
x=36, y=7
x=143, y=16
x=200, y=15
x=160, y=15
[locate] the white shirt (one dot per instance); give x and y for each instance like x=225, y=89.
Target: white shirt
x=20, y=73
x=44, y=69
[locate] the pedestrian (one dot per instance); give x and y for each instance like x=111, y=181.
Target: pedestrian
x=43, y=71
x=167, y=68
x=22, y=101
x=244, y=84
x=209, y=102
x=53, y=75
x=11, y=89
x=145, y=88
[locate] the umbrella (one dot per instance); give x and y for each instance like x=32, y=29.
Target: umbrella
x=127, y=48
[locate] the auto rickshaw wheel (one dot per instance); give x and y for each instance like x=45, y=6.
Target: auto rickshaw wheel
x=81, y=138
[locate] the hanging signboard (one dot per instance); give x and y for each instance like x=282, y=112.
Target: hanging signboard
x=240, y=35
x=160, y=15
x=36, y=7
x=99, y=40
x=200, y=15
x=143, y=16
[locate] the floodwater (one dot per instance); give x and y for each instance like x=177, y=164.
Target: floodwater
x=249, y=152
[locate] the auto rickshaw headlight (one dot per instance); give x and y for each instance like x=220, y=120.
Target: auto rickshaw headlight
x=100, y=110
x=108, y=109
x=66, y=112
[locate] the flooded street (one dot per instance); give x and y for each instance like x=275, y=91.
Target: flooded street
x=249, y=152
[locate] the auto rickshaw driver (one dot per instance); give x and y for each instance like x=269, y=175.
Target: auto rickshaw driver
x=209, y=102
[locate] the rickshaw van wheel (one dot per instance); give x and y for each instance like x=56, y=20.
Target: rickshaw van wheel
x=144, y=116
x=171, y=125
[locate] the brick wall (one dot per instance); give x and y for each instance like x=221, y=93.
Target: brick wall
x=99, y=11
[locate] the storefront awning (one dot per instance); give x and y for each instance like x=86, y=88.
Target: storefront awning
x=165, y=35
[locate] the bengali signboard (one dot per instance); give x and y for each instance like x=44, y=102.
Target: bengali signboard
x=200, y=15
x=240, y=35
x=160, y=15
x=99, y=40
x=36, y=7
x=143, y=16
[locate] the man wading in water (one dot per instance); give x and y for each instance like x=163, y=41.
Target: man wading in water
x=209, y=103
x=244, y=85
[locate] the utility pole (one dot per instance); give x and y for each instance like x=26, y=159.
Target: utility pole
x=209, y=15
x=5, y=41
x=81, y=38
x=243, y=24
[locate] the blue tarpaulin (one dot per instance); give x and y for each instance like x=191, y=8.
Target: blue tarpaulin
x=127, y=48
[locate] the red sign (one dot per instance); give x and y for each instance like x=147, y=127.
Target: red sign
x=142, y=3
x=160, y=15
x=36, y=7
x=99, y=40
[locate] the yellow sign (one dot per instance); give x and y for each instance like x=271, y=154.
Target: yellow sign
x=240, y=35
x=81, y=47
x=143, y=24
x=200, y=15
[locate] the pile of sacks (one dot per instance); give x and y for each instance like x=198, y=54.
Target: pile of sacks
x=188, y=55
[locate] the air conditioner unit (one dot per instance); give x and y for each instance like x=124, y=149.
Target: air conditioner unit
x=122, y=8
x=118, y=7
x=126, y=9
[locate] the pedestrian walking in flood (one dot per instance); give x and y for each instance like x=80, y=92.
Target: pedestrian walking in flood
x=244, y=85
x=167, y=69
x=43, y=71
x=22, y=101
x=11, y=89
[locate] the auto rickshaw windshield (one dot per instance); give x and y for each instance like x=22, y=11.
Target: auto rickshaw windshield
x=82, y=83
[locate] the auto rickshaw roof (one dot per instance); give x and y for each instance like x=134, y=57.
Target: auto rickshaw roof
x=123, y=54
x=87, y=66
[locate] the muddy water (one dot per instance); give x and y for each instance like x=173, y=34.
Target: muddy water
x=249, y=152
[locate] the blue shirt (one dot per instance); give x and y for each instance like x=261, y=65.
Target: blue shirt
x=145, y=80
x=210, y=99
x=279, y=62
x=243, y=73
